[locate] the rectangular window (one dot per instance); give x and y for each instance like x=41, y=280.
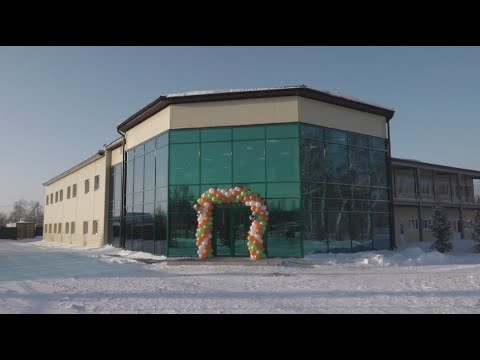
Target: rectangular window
x=96, y=183
x=55, y=228
x=49, y=228
x=67, y=228
x=56, y=196
x=72, y=227
x=95, y=227
x=51, y=198
x=46, y=202
x=59, y=228
x=68, y=192
x=87, y=186
x=85, y=227
x=61, y=195
x=74, y=190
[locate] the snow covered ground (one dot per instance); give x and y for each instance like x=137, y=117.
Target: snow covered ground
x=43, y=277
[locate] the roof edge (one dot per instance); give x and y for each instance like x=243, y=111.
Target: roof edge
x=301, y=90
x=114, y=144
x=431, y=166
x=91, y=159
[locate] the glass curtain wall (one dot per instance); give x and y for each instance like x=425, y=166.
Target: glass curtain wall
x=326, y=189
x=146, y=197
x=264, y=158
x=345, y=191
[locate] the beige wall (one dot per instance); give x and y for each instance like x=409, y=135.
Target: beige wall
x=84, y=207
x=404, y=213
x=338, y=117
x=149, y=128
x=116, y=156
x=235, y=112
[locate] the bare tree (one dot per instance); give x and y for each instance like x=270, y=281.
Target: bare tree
x=26, y=211
x=3, y=219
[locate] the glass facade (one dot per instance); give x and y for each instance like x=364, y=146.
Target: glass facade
x=326, y=190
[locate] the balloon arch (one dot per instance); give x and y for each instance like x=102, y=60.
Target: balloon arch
x=259, y=217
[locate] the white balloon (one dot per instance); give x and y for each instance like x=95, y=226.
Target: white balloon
x=263, y=207
x=211, y=190
x=258, y=204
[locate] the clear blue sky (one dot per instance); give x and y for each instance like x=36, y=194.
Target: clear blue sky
x=59, y=105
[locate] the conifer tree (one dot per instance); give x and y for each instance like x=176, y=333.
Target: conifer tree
x=476, y=232
x=441, y=230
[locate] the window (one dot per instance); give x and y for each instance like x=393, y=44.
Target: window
x=59, y=228
x=96, y=183
x=72, y=227
x=68, y=192
x=56, y=196
x=67, y=230
x=46, y=201
x=51, y=198
x=85, y=227
x=49, y=228
x=55, y=228
x=87, y=186
x=95, y=227
x=61, y=195
x=413, y=224
x=74, y=190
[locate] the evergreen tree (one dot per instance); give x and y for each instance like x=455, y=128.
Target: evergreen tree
x=441, y=230
x=476, y=232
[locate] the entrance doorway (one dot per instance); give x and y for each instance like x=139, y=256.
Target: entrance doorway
x=231, y=224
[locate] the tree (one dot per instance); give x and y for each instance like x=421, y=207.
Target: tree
x=476, y=232
x=441, y=230
x=26, y=211
x=3, y=219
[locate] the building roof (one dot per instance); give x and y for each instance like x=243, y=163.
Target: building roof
x=86, y=162
x=435, y=167
x=238, y=94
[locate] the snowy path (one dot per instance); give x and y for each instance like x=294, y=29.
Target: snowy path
x=39, y=277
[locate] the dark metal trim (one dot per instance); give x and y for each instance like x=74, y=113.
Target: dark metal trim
x=434, y=167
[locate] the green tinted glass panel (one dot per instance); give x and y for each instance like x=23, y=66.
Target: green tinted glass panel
x=357, y=140
x=337, y=136
x=184, y=164
x=381, y=231
x=216, y=161
x=377, y=143
x=139, y=150
x=314, y=233
x=162, y=140
x=379, y=194
x=130, y=177
x=138, y=174
x=216, y=135
x=378, y=168
x=282, y=131
x=149, y=180
x=282, y=160
x=138, y=198
x=283, y=205
x=338, y=232
x=149, y=146
x=161, y=177
x=280, y=190
x=161, y=194
x=312, y=132
x=149, y=196
x=184, y=136
x=248, y=161
x=182, y=234
x=249, y=133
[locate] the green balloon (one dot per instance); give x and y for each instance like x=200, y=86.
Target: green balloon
x=243, y=194
x=260, y=218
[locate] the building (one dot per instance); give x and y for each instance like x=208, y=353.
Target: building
x=419, y=186
x=321, y=161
